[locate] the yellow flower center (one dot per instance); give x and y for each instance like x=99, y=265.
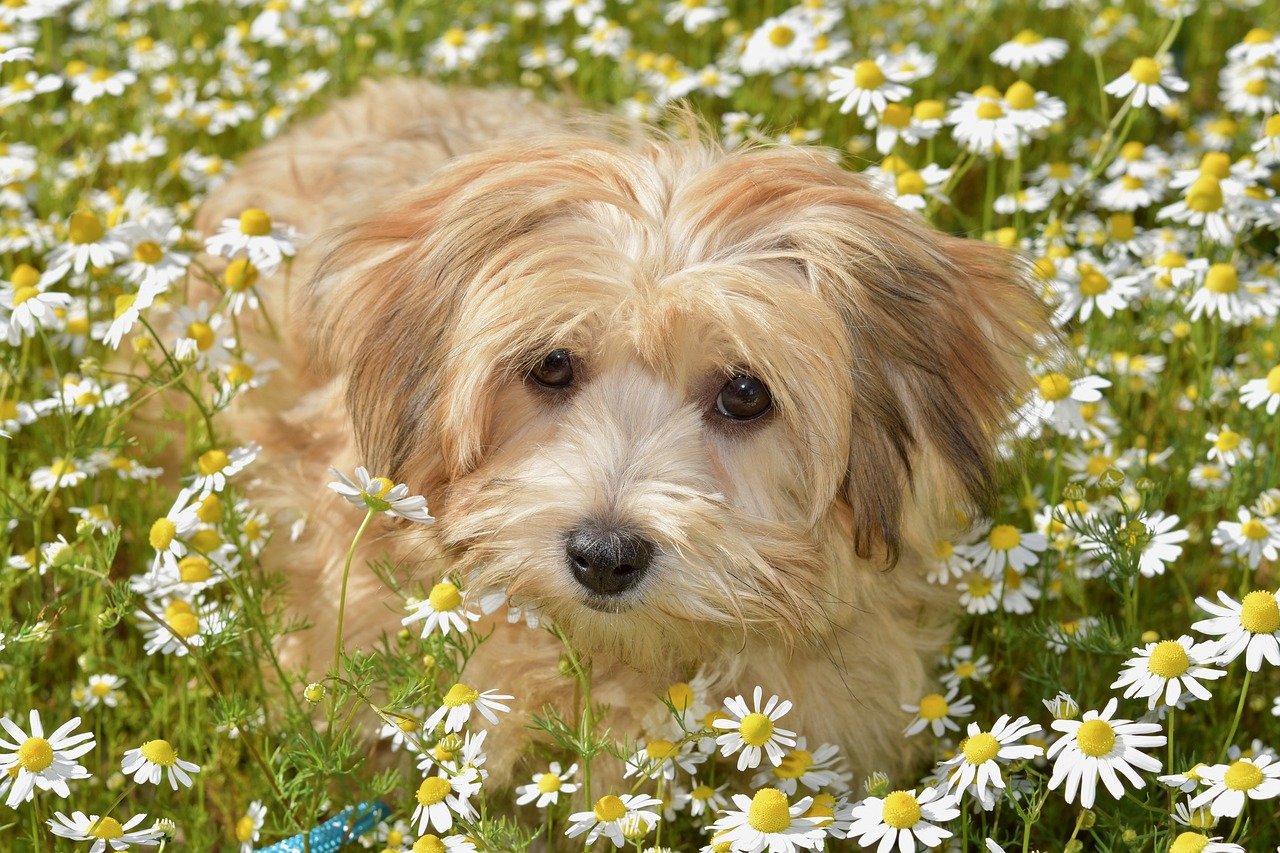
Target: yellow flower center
x=22, y=294
x=990, y=111
x=1021, y=96
x=1222, y=278
x=100, y=689
x=867, y=75
x=444, y=596
x=455, y=37
x=965, y=669
x=212, y=461
x=659, y=750
x=202, y=334
x=1096, y=738
x=1004, y=537
x=756, y=729
x=239, y=373
x=548, y=782
x=943, y=550
x=100, y=75
x=106, y=827
x=1092, y=281
x=158, y=752
x=460, y=694
x=1145, y=70
x=147, y=252
x=680, y=695
x=769, y=811
x=433, y=790
x=162, y=533
x=85, y=227
x=933, y=707
x=1189, y=842
x=1273, y=380
x=1205, y=195
x=1227, y=440
x=794, y=764
x=210, y=511
x=254, y=222
x=1257, y=35
x=910, y=183
x=979, y=586
x=1256, y=86
x=185, y=625
x=1055, y=386
x=901, y=810
x=206, y=541
x=1254, y=529
x=1259, y=613
x=240, y=275
x=609, y=808
x=244, y=829
x=1169, y=659
x=194, y=569
x=429, y=844
x=1027, y=37
x=25, y=275
x=1242, y=775
x=980, y=748
x=124, y=302
x=929, y=110
x=781, y=36
x=35, y=754
x=379, y=486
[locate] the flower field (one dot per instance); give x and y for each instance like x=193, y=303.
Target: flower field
x=1114, y=681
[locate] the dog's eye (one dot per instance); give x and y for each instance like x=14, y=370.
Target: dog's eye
x=555, y=370
x=743, y=398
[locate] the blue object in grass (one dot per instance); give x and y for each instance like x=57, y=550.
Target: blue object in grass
x=336, y=832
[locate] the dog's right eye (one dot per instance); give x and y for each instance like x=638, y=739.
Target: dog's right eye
x=555, y=370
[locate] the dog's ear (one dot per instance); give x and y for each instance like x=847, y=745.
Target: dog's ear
x=940, y=328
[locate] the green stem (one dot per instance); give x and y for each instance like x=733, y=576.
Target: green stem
x=1235, y=723
x=342, y=595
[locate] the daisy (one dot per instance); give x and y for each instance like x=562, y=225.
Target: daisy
x=866, y=87
x=611, y=814
x=1160, y=545
x=766, y=821
x=149, y=762
x=777, y=45
x=180, y=627
x=28, y=305
x=40, y=762
x=1195, y=842
x=105, y=832
x=88, y=244
x=455, y=710
x=902, y=819
x=441, y=611
x=982, y=123
x=754, y=730
x=1263, y=392
x=1147, y=79
x=166, y=534
x=693, y=15
x=267, y=245
x=1029, y=48
x=964, y=667
x=441, y=797
x=976, y=764
x=1209, y=477
x=935, y=712
x=249, y=826
x=979, y=593
x=1099, y=746
x=1057, y=402
x=103, y=689
x=448, y=844
x=1005, y=546
x=1251, y=627
x=1254, y=537
x=379, y=494
x=547, y=787
x=95, y=83
x=659, y=758
x=815, y=770
x=1161, y=671
x=216, y=465
x=1093, y=289
x=701, y=798
x=1231, y=785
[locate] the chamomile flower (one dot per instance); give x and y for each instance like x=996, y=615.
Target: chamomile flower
x=817, y=769
x=615, y=817
x=442, y=610
x=659, y=758
x=266, y=244
x=767, y=822
x=1196, y=842
x=46, y=763
x=1228, y=447
x=752, y=730
x=868, y=86
x=777, y=45
x=249, y=827
x=166, y=534
x=215, y=466
x=103, y=689
x=88, y=244
x=975, y=768
x=1264, y=392
x=963, y=666
x=902, y=819
x=1057, y=403
x=441, y=797
x=1005, y=546
x=381, y=495
x=1250, y=627
x=26, y=306
x=458, y=703
x=105, y=832
x=1100, y=746
x=547, y=787
x=1029, y=48
x=180, y=626
x=1253, y=537
x=935, y=711
x=700, y=798
x=1232, y=785
x=1149, y=80
x=1161, y=671
x=148, y=764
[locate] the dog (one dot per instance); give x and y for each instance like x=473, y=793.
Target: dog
x=706, y=410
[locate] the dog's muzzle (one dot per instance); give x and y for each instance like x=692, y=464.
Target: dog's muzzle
x=607, y=561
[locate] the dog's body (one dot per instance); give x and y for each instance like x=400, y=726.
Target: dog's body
x=787, y=551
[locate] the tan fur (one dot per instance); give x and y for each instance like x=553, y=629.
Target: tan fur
x=469, y=233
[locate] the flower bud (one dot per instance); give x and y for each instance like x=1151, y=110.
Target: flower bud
x=313, y=692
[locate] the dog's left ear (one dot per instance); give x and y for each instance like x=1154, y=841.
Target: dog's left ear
x=940, y=329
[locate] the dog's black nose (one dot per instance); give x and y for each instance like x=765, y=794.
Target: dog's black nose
x=607, y=561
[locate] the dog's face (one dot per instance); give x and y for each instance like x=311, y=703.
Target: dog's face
x=663, y=392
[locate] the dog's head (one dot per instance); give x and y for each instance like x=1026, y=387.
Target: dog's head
x=661, y=390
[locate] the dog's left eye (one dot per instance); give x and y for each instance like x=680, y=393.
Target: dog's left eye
x=744, y=398
x=555, y=370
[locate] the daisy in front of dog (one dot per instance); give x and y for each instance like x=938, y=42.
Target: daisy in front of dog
x=441, y=797
x=36, y=761
x=1100, y=746
x=616, y=818
x=1250, y=627
x=455, y=709
x=148, y=763
x=442, y=610
x=547, y=787
x=656, y=757
x=766, y=821
x=975, y=768
x=902, y=819
x=815, y=770
x=379, y=494
x=1147, y=79
x=105, y=832
x=216, y=465
x=1231, y=785
x=1005, y=546
x=752, y=729
x=935, y=712
x=1163, y=670
x=253, y=233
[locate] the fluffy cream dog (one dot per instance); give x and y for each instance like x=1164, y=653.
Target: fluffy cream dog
x=705, y=409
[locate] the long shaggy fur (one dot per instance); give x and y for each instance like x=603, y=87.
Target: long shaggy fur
x=456, y=237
